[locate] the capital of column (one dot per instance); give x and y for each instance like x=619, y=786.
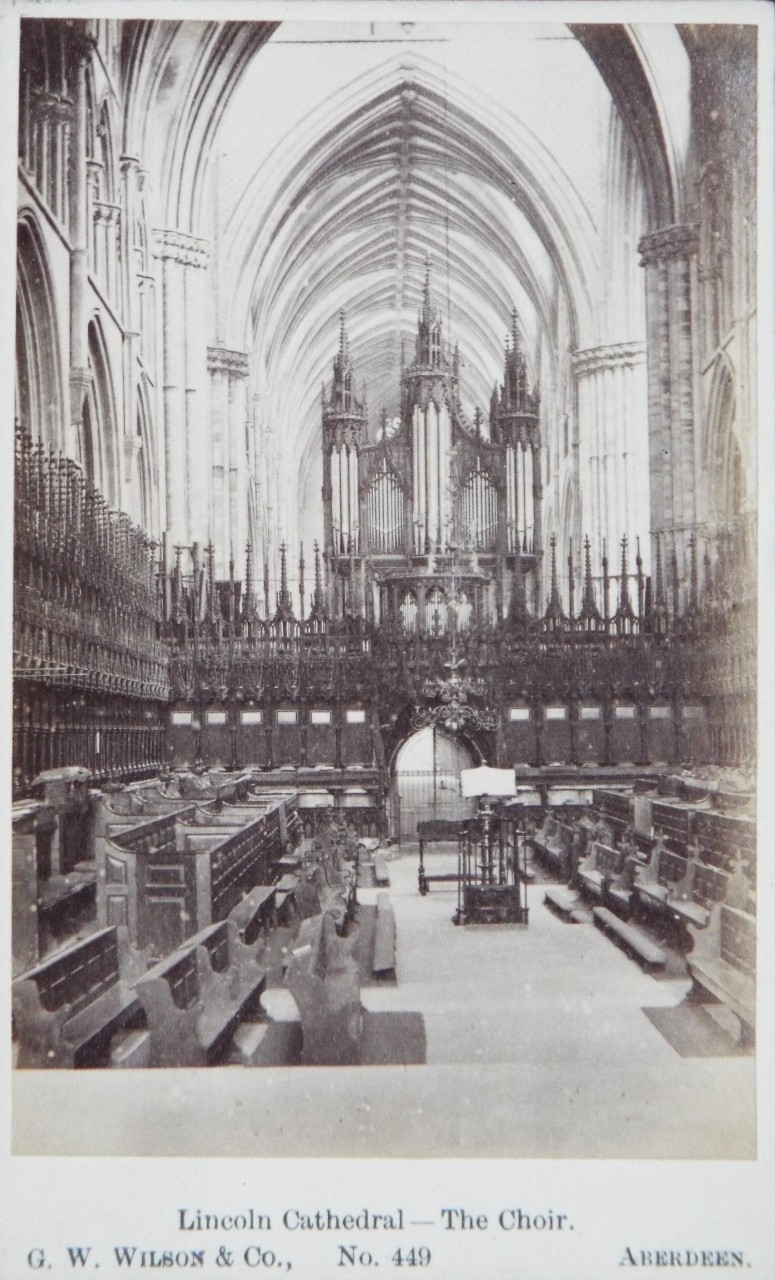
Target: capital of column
x=107, y=213
x=181, y=247
x=132, y=446
x=128, y=163
x=53, y=106
x=222, y=360
x=82, y=39
x=620, y=355
x=677, y=241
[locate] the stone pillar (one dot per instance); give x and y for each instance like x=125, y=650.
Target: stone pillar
x=80, y=375
x=613, y=456
x=669, y=256
x=129, y=170
x=229, y=461
x=183, y=337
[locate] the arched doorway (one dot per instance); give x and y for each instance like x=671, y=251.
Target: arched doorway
x=425, y=781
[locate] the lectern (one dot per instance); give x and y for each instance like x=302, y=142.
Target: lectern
x=492, y=880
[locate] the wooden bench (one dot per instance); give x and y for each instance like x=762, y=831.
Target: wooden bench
x=435, y=831
x=693, y=899
x=663, y=874
x=647, y=953
x=255, y=914
x=723, y=963
x=383, y=965
x=566, y=904
x=553, y=843
x=601, y=864
x=381, y=873
x=77, y=1009
x=621, y=896
x=196, y=997
x=285, y=897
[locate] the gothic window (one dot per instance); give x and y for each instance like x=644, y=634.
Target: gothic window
x=436, y=612
x=408, y=612
x=39, y=397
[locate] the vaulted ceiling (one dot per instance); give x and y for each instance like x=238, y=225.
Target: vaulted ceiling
x=340, y=158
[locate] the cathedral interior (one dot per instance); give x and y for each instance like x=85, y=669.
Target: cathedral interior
x=386, y=417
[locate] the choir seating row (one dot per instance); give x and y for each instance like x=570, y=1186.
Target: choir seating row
x=103, y=1003
x=99, y=1004
x=693, y=876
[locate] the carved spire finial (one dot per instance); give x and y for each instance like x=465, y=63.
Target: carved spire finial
x=426, y=292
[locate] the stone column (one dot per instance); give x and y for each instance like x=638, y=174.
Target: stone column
x=183, y=336
x=80, y=375
x=669, y=256
x=229, y=460
x=613, y=446
x=131, y=309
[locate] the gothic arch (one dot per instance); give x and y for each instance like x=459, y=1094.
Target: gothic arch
x=146, y=471
x=725, y=473
x=98, y=436
x=39, y=394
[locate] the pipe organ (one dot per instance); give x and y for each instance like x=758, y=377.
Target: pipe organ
x=385, y=511
x=437, y=522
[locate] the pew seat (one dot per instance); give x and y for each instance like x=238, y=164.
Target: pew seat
x=381, y=873
x=566, y=904
x=647, y=953
x=69, y=1010
x=600, y=865
x=196, y=997
x=384, y=961
x=723, y=963
x=255, y=913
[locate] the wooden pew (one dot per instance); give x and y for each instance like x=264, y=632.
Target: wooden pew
x=553, y=844
x=723, y=964
x=256, y=914
x=384, y=961
x=650, y=956
x=620, y=891
x=435, y=831
x=381, y=873
x=691, y=901
x=78, y=1009
x=664, y=873
x=601, y=864
x=195, y=998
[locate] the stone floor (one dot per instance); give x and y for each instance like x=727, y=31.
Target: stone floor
x=537, y=1046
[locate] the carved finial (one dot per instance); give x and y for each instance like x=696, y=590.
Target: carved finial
x=342, y=334
x=624, y=613
x=661, y=599
x=283, y=569
x=514, y=330
x=426, y=292
x=589, y=610
x=554, y=615
x=284, y=603
x=318, y=600
x=693, y=583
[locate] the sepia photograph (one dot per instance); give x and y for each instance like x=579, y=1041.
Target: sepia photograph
x=385, y=602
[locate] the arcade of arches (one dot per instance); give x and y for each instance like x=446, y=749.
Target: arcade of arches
x=365, y=390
